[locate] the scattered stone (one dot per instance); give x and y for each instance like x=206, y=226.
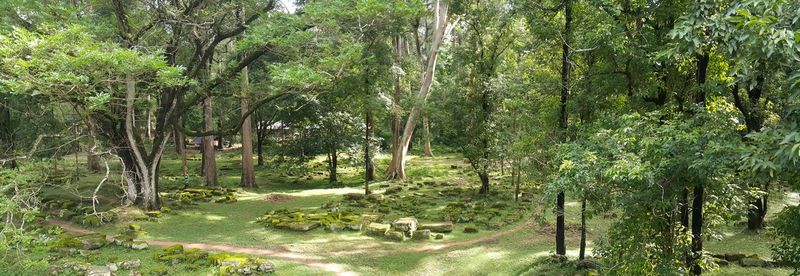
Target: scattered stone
x=139, y=245
x=375, y=197
x=303, y=226
x=368, y=218
x=378, y=229
x=153, y=214
x=130, y=265
x=98, y=271
x=135, y=227
x=453, y=167
x=753, y=261
x=93, y=241
x=353, y=196
x=113, y=267
x=405, y=225
x=721, y=262
x=439, y=236
x=354, y=226
x=395, y=236
x=588, y=264
x=470, y=229
x=442, y=227
x=730, y=257
x=421, y=235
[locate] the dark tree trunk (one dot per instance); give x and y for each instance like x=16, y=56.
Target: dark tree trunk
x=561, y=248
x=484, y=176
x=260, y=144
x=333, y=157
x=582, y=252
x=209, y=155
x=369, y=167
x=698, y=194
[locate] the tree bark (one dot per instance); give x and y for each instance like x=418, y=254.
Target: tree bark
x=92, y=160
x=369, y=168
x=753, y=122
x=248, y=179
x=426, y=134
x=333, y=158
x=699, y=190
x=396, y=169
x=141, y=171
x=209, y=153
x=582, y=250
x=564, y=120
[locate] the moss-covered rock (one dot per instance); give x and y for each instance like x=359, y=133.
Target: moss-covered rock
x=421, y=235
x=378, y=229
x=93, y=241
x=470, y=229
x=395, y=236
x=441, y=227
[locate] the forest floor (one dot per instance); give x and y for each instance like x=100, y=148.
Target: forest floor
x=503, y=247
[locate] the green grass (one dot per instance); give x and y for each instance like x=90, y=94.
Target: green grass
x=521, y=253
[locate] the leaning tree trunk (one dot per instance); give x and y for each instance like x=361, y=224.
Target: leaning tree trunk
x=396, y=169
x=248, y=174
x=561, y=248
x=209, y=154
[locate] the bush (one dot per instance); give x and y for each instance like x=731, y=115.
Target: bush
x=787, y=231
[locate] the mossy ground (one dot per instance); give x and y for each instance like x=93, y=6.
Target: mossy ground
x=521, y=252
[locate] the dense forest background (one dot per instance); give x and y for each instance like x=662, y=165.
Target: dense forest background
x=677, y=117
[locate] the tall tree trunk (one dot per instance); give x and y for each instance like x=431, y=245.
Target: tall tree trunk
x=397, y=128
x=369, y=168
x=141, y=171
x=333, y=160
x=248, y=179
x=426, y=134
x=699, y=190
x=209, y=154
x=260, y=133
x=582, y=250
x=149, y=118
x=398, y=163
x=561, y=248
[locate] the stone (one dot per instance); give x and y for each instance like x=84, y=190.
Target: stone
x=135, y=227
x=375, y=197
x=92, y=241
x=353, y=196
x=334, y=226
x=98, y=271
x=378, y=229
x=421, y=234
x=721, y=262
x=730, y=257
x=588, y=264
x=153, y=214
x=354, y=226
x=113, y=267
x=753, y=261
x=439, y=236
x=406, y=225
x=368, y=218
x=470, y=229
x=395, y=236
x=303, y=226
x=130, y=265
x=442, y=227
x=139, y=245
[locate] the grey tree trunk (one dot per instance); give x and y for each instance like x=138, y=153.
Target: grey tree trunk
x=209, y=153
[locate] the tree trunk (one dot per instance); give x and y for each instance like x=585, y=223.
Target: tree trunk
x=369, y=168
x=484, y=183
x=92, y=160
x=260, y=133
x=397, y=168
x=333, y=157
x=753, y=122
x=699, y=191
x=149, y=119
x=141, y=170
x=426, y=133
x=248, y=179
x=561, y=248
x=515, y=179
x=564, y=120
x=209, y=154
x=582, y=251
x=396, y=112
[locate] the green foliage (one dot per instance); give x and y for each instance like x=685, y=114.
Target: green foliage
x=787, y=230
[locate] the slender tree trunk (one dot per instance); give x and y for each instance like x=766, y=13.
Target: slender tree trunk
x=397, y=128
x=397, y=170
x=426, y=133
x=561, y=248
x=209, y=154
x=699, y=190
x=754, y=122
x=248, y=179
x=92, y=160
x=142, y=172
x=149, y=118
x=369, y=168
x=260, y=143
x=515, y=179
x=582, y=252
x=333, y=157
